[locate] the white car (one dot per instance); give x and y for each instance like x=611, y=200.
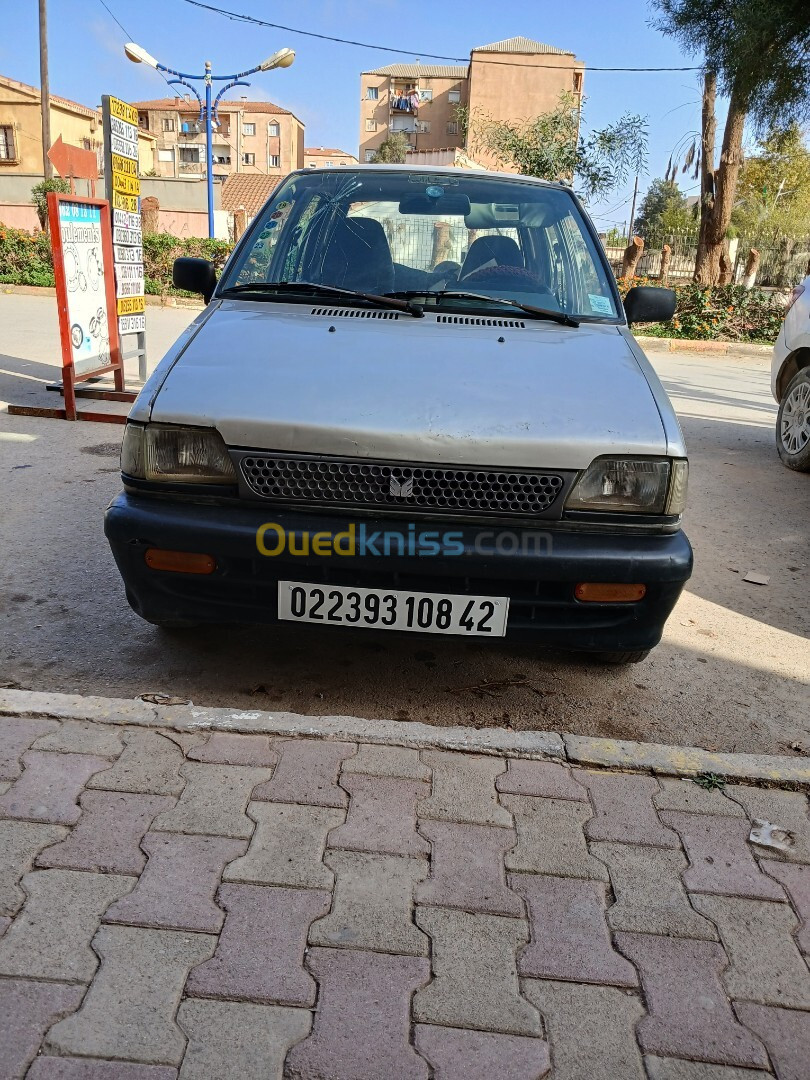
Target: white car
x=790, y=381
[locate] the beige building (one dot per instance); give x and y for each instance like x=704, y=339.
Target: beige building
x=252, y=137
x=21, y=129
x=513, y=79
x=322, y=157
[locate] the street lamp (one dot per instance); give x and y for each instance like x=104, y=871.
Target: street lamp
x=208, y=110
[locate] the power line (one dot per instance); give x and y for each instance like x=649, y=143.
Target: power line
x=238, y=17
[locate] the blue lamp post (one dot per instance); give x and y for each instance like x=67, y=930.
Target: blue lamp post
x=208, y=109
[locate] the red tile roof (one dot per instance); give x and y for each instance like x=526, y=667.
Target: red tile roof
x=325, y=151
x=66, y=103
x=248, y=190
x=164, y=104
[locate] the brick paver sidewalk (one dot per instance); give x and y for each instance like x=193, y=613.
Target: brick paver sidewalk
x=218, y=905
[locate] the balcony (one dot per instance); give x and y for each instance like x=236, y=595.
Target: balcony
x=191, y=128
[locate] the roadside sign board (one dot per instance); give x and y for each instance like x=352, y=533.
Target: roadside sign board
x=123, y=190
x=85, y=290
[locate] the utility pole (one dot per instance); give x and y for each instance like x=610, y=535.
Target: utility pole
x=45, y=94
x=633, y=212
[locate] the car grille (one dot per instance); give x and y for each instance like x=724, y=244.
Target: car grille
x=383, y=485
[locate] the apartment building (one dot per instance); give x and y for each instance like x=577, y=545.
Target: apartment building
x=323, y=157
x=252, y=137
x=513, y=79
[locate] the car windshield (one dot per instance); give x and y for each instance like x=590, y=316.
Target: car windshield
x=406, y=232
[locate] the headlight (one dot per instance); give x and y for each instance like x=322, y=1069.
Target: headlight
x=176, y=455
x=634, y=485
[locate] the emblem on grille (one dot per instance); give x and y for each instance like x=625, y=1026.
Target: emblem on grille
x=402, y=488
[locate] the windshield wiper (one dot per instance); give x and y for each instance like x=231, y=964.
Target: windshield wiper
x=535, y=312
x=404, y=304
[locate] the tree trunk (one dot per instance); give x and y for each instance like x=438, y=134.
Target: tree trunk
x=708, y=138
x=632, y=253
x=666, y=255
x=711, y=246
x=751, y=267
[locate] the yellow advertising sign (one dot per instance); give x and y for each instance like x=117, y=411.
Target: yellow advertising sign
x=125, y=202
x=124, y=165
x=123, y=111
x=131, y=305
x=127, y=185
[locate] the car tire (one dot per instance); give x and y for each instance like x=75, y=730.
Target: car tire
x=620, y=657
x=793, y=423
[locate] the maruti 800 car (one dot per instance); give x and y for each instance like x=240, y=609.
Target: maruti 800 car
x=411, y=403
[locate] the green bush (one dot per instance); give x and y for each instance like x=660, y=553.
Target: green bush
x=25, y=258
x=718, y=313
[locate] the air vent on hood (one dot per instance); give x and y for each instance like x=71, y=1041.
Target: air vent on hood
x=471, y=320
x=354, y=313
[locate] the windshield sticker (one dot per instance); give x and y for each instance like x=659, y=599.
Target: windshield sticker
x=438, y=180
x=600, y=304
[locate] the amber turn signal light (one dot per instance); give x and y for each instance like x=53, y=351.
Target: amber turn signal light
x=607, y=592
x=180, y=562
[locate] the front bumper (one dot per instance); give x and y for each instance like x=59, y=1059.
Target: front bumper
x=539, y=576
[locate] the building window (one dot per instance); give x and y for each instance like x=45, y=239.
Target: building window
x=248, y=159
x=372, y=93
x=423, y=126
x=370, y=156
x=371, y=124
x=452, y=127
x=329, y=164
x=143, y=121
x=189, y=154
x=454, y=97
x=248, y=129
x=168, y=123
x=275, y=161
x=577, y=82
x=8, y=151
x=426, y=95
x=312, y=165
x=166, y=155
x=273, y=128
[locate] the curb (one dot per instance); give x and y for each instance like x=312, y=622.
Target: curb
x=684, y=761
x=718, y=348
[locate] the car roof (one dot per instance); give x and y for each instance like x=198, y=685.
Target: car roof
x=434, y=170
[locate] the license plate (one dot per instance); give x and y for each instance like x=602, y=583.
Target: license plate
x=393, y=609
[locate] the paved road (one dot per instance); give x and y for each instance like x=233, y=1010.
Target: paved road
x=448, y=910
x=733, y=671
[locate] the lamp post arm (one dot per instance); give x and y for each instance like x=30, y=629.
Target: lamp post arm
x=222, y=92
x=239, y=75
x=193, y=89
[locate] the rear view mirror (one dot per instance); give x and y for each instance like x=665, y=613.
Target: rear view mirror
x=195, y=275
x=649, y=304
x=448, y=204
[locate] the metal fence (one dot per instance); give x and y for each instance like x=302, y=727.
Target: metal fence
x=783, y=259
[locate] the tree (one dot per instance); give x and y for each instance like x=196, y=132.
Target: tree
x=39, y=197
x=663, y=210
x=773, y=193
x=755, y=52
x=553, y=147
x=392, y=150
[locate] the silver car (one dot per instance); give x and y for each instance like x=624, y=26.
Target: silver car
x=412, y=403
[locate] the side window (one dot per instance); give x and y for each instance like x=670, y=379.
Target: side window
x=591, y=293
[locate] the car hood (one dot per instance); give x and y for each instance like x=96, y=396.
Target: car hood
x=359, y=383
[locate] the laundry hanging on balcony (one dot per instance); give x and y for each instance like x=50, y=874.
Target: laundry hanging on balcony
x=408, y=102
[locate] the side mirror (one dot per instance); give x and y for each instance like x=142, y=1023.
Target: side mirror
x=195, y=275
x=647, y=303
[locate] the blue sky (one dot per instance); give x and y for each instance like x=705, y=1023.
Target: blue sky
x=86, y=59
